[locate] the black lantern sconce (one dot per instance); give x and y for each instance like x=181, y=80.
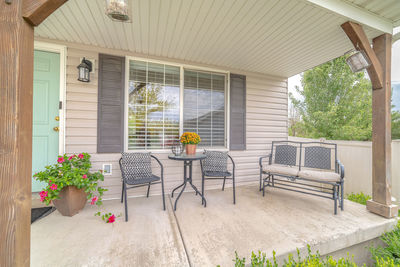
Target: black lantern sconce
x=84, y=70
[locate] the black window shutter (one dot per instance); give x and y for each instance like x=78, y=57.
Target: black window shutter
x=110, y=119
x=237, y=112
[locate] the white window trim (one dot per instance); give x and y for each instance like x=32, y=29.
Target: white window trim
x=181, y=87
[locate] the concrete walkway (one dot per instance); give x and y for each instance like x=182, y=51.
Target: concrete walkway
x=198, y=236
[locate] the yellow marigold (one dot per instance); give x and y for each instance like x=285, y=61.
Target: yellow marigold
x=190, y=138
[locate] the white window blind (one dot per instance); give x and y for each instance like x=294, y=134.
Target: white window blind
x=204, y=107
x=153, y=105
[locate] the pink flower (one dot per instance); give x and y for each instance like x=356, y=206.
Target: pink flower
x=60, y=160
x=94, y=200
x=73, y=156
x=43, y=195
x=80, y=156
x=111, y=219
x=53, y=187
x=84, y=176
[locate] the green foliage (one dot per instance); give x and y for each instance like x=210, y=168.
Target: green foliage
x=336, y=103
x=311, y=260
x=390, y=252
x=395, y=124
x=71, y=171
x=359, y=198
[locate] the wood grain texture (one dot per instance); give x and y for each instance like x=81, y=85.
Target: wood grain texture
x=16, y=83
x=381, y=125
x=36, y=11
x=360, y=41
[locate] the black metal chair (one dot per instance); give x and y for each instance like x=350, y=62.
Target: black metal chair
x=136, y=172
x=215, y=167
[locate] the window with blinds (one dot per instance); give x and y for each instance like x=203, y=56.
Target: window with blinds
x=153, y=105
x=204, y=107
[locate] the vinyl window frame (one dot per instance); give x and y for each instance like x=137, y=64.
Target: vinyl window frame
x=182, y=67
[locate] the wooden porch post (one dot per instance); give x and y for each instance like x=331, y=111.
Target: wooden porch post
x=379, y=73
x=381, y=202
x=16, y=85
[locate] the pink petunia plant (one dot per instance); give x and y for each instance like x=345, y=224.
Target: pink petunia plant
x=43, y=195
x=69, y=171
x=53, y=187
x=94, y=200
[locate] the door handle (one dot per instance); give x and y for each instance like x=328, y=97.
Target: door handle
x=56, y=129
x=57, y=118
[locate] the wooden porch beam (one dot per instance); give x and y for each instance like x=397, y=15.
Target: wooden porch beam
x=381, y=202
x=360, y=41
x=36, y=11
x=16, y=92
x=380, y=74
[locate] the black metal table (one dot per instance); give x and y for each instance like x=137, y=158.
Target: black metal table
x=187, y=162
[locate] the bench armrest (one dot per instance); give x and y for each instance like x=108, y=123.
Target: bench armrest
x=340, y=169
x=260, y=161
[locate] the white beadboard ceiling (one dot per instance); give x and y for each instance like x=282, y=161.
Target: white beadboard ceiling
x=388, y=9
x=278, y=37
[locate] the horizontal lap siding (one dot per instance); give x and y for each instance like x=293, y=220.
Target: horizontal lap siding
x=266, y=120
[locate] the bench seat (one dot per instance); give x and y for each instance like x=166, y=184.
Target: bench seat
x=281, y=169
x=319, y=175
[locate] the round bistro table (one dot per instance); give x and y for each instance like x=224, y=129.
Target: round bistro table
x=187, y=162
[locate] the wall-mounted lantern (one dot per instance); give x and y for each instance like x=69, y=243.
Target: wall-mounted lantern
x=84, y=70
x=358, y=61
x=118, y=10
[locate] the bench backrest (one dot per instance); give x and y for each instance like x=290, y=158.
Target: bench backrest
x=316, y=155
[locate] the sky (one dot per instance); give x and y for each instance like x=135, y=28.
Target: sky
x=296, y=80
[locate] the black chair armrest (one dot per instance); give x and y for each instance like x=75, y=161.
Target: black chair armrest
x=233, y=163
x=260, y=161
x=159, y=163
x=340, y=169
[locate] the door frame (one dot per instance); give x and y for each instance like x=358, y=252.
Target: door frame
x=62, y=51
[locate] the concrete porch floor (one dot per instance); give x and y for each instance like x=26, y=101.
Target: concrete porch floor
x=198, y=236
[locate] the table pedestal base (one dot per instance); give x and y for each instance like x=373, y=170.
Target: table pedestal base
x=187, y=179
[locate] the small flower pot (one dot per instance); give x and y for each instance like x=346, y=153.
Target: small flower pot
x=190, y=149
x=72, y=200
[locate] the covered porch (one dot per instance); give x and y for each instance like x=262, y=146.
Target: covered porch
x=256, y=44
x=196, y=236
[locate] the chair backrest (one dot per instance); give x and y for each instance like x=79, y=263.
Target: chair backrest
x=284, y=154
x=135, y=165
x=319, y=155
x=215, y=161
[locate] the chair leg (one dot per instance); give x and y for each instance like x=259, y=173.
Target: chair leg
x=335, y=198
x=126, y=204
x=162, y=189
x=260, y=177
x=223, y=185
x=202, y=188
x=233, y=183
x=263, y=187
x=122, y=193
x=342, y=195
x=148, y=190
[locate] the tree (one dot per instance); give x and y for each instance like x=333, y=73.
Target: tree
x=335, y=103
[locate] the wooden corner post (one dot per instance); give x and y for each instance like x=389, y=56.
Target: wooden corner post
x=16, y=86
x=380, y=75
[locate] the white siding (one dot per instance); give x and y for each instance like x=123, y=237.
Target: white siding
x=266, y=121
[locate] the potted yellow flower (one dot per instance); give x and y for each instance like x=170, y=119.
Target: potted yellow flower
x=190, y=140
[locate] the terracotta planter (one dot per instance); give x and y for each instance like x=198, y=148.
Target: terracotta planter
x=190, y=149
x=71, y=201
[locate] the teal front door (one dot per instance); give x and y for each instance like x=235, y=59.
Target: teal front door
x=46, y=96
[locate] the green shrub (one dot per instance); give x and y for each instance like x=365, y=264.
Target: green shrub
x=359, y=198
x=390, y=252
x=311, y=260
